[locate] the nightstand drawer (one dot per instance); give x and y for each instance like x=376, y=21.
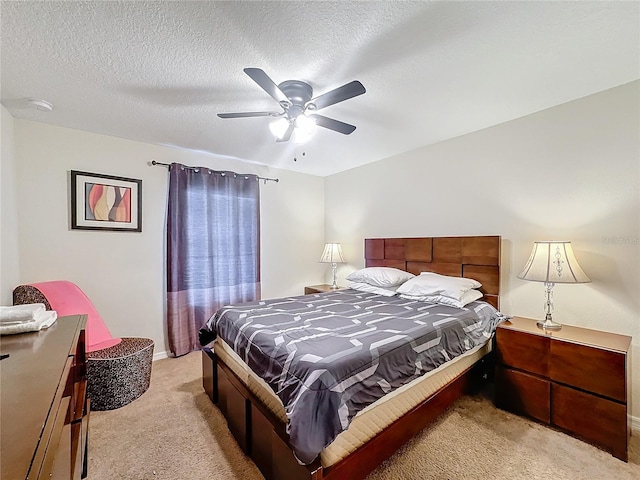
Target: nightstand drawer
x=522, y=393
x=523, y=351
x=594, y=419
x=589, y=368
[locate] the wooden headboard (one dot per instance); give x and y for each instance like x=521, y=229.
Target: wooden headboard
x=475, y=257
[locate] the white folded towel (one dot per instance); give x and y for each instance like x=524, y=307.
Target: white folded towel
x=20, y=313
x=43, y=320
x=46, y=318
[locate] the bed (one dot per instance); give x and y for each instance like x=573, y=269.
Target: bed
x=350, y=437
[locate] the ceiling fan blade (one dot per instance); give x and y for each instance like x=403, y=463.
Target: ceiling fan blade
x=247, y=114
x=287, y=134
x=340, y=94
x=262, y=79
x=333, y=124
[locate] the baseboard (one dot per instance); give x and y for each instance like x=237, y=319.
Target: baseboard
x=635, y=425
x=160, y=355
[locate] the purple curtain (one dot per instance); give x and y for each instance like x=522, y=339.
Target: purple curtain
x=213, y=248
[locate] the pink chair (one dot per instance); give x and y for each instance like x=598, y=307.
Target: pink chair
x=118, y=369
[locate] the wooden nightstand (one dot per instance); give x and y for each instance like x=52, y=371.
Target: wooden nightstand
x=325, y=287
x=575, y=379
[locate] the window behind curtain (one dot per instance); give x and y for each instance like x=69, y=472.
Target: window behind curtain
x=213, y=240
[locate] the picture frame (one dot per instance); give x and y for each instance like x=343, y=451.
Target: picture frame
x=105, y=202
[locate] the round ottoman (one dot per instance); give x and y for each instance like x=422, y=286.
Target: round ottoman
x=118, y=375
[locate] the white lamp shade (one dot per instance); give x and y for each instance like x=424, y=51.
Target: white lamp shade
x=305, y=125
x=279, y=127
x=332, y=254
x=553, y=262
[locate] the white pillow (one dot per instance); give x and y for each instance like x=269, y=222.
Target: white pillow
x=384, y=277
x=428, y=283
x=365, y=287
x=466, y=298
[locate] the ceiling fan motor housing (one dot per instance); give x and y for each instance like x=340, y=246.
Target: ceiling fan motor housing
x=299, y=93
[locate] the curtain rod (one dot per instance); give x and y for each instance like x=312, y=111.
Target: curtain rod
x=266, y=179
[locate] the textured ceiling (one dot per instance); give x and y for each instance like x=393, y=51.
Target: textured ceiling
x=159, y=72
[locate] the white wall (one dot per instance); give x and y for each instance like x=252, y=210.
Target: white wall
x=123, y=272
x=292, y=229
x=9, y=251
x=571, y=172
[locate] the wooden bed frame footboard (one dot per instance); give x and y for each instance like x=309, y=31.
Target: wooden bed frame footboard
x=262, y=435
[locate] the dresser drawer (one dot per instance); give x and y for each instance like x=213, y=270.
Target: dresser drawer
x=523, y=351
x=589, y=368
x=594, y=419
x=522, y=393
x=59, y=423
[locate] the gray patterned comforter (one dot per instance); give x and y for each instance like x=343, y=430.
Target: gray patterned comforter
x=329, y=355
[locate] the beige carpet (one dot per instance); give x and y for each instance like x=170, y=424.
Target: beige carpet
x=174, y=432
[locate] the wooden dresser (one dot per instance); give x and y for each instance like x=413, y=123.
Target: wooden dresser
x=44, y=410
x=575, y=379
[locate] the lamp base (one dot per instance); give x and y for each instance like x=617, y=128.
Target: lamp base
x=334, y=266
x=549, y=324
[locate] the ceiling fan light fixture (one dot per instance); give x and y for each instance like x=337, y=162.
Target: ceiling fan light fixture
x=279, y=127
x=305, y=125
x=304, y=128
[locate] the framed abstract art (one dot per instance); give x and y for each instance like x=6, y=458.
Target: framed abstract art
x=105, y=202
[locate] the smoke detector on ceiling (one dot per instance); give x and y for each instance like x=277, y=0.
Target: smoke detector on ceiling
x=41, y=105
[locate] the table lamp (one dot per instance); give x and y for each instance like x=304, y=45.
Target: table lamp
x=552, y=262
x=332, y=254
